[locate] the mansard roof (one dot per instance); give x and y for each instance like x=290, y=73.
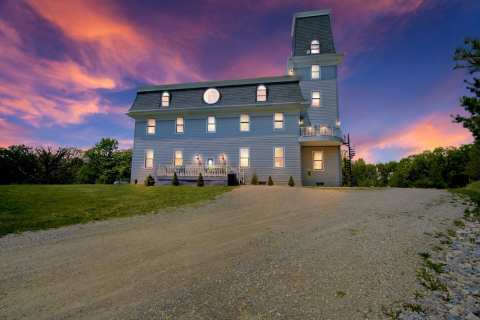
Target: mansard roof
x=241, y=92
x=312, y=25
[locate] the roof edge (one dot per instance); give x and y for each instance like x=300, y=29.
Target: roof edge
x=312, y=13
x=220, y=83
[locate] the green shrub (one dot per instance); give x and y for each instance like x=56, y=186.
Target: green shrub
x=270, y=181
x=254, y=179
x=291, y=183
x=149, y=181
x=200, y=182
x=175, y=181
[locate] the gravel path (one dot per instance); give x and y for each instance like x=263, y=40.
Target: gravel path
x=254, y=253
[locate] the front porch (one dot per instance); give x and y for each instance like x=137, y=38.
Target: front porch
x=188, y=174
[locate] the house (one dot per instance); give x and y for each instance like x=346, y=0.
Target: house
x=272, y=126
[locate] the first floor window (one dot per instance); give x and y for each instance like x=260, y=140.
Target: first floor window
x=317, y=160
x=244, y=122
x=151, y=126
x=211, y=125
x=178, y=161
x=278, y=120
x=315, y=98
x=278, y=157
x=315, y=72
x=180, y=124
x=148, y=159
x=244, y=157
x=210, y=162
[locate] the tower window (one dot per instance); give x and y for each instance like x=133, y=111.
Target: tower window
x=317, y=159
x=315, y=99
x=149, y=159
x=244, y=122
x=315, y=72
x=150, y=126
x=165, y=99
x=261, y=93
x=315, y=47
x=278, y=120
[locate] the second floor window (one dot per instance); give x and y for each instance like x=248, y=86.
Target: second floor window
x=315, y=99
x=211, y=124
x=244, y=122
x=151, y=126
x=278, y=120
x=180, y=125
x=148, y=159
x=261, y=93
x=278, y=157
x=165, y=99
x=315, y=47
x=178, y=160
x=244, y=157
x=315, y=72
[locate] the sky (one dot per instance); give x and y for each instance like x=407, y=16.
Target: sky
x=69, y=70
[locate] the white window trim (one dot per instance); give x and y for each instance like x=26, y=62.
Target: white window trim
x=214, y=124
x=264, y=88
x=240, y=157
x=245, y=122
x=283, y=157
x=146, y=158
x=319, y=72
x=313, y=161
x=319, y=99
x=175, y=158
x=283, y=121
x=177, y=125
x=167, y=103
x=150, y=126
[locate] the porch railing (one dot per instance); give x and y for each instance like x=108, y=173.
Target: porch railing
x=319, y=131
x=193, y=171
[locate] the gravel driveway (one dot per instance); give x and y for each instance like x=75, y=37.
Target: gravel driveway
x=254, y=253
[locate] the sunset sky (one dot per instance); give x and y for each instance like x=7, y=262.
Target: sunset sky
x=69, y=69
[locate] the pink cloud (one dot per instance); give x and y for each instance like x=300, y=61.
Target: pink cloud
x=433, y=131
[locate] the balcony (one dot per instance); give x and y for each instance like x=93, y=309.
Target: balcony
x=320, y=136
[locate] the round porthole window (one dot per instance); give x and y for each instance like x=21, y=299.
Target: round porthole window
x=211, y=96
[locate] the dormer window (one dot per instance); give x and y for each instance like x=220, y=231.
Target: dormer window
x=165, y=99
x=261, y=93
x=315, y=47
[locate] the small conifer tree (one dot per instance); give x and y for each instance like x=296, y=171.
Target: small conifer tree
x=270, y=181
x=200, y=182
x=175, y=181
x=291, y=183
x=254, y=179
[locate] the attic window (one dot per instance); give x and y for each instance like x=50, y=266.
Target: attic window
x=315, y=47
x=261, y=93
x=165, y=99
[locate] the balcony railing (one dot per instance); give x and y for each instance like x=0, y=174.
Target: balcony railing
x=319, y=131
x=193, y=171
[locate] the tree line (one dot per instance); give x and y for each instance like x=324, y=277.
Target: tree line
x=103, y=163
x=442, y=167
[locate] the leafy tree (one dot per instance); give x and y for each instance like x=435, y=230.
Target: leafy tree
x=57, y=166
x=365, y=175
x=18, y=164
x=468, y=58
x=149, y=181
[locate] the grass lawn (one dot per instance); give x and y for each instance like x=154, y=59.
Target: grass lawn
x=472, y=190
x=33, y=207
